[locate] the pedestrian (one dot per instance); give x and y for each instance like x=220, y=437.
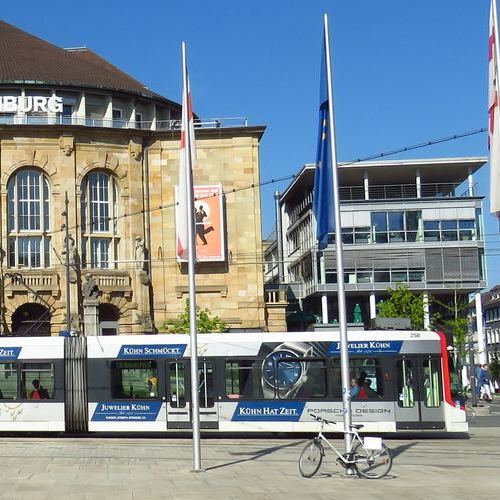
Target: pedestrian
x=477, y=386
x=485, y=383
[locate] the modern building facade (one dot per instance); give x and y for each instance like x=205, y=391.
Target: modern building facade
x=73, y=125
x=417, y=222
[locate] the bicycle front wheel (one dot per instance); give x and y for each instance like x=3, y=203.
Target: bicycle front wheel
x=470, y=414
x=371, y=464
x=310, y=458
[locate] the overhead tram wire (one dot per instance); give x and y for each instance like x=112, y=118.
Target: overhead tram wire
x=385, y=154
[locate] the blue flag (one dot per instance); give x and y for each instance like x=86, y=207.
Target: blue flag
x=323, y=188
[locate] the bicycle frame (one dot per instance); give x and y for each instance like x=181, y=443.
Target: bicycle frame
x=330, y=445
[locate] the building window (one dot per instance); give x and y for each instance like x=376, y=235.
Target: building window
x=396, y=227
x=67, y=114
x=28, y=219
x=138, y=120
x=117, y=118
x=99, y=211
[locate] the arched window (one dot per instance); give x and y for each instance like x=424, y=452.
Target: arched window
x=28, y=219
x=99, y=221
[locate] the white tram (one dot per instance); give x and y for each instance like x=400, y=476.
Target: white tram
x=248, y=382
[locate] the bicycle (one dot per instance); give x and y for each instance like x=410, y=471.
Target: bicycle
x=369, y=457
x=470, y=413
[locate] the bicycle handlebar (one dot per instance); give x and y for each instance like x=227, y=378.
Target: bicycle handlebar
x=320, y=419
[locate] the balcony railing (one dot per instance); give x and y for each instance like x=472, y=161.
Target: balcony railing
x=401, y=191
x=38, y=280
x=208, y=123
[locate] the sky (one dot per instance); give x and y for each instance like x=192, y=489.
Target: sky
x=404, y=71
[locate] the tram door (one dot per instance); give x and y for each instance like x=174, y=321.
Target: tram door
x=179, y=395
x=419, y=393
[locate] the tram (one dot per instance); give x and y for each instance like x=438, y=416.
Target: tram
x=247, y=382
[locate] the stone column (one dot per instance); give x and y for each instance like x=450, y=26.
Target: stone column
x=91, y=317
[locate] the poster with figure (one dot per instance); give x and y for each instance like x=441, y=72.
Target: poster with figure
x=209, y=223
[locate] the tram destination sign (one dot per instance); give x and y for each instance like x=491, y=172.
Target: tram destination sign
x=31, y=104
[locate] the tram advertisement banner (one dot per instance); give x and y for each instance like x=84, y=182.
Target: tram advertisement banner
x=210, y=224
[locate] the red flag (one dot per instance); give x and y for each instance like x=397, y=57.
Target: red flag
x=187, y=156
x=493, y=111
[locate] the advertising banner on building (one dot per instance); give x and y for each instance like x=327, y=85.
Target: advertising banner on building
x=210, y=227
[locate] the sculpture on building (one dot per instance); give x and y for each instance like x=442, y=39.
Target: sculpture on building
x=139, y=253
x=72, y=251
x=90, y=290
x=357, y=315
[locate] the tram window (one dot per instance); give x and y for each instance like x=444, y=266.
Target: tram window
x=8, y=381
x=301, y=379
x=432, y=392
x=406, y=392
x=243, y=379
x=365, y=377
x=37, y=380
x=177, y=377
x=134, y=380
x=206, y=384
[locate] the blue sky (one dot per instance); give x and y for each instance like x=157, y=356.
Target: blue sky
x=404, y=72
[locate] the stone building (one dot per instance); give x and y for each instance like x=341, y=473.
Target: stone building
x=72, y=124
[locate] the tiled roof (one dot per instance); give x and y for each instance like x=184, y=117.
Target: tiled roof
x=24, y=58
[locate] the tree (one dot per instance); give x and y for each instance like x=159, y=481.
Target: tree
x=403, y=304
x=494, y=369
x=458, y=325
x=205, y=322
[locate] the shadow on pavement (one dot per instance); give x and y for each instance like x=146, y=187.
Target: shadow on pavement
x=255, y=455
x=398, y=450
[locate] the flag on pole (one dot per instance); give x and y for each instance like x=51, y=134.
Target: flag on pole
x=493, y=112
x=323, y=192
x=186, y=157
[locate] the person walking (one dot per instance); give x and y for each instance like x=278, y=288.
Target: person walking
x=485, y=384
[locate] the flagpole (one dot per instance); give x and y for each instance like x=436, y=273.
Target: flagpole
x=344, y=353
x=195, y=405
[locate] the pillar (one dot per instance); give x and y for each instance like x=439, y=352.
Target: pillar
x=279, y=238
x=324, y=309
x=91, y=317
x=481, y=344
x=366, y=186
x=470, y=183
x=427, y=319
x=373, y=306
x=418, y=182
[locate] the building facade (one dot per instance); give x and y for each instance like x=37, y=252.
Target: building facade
x=75, y=127
x=490, y=302
x=417, y=222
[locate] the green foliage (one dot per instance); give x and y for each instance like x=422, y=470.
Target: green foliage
x=459, y=325
x=205, y=322
x=460, y=329
x=494, y=369
x=403, y=304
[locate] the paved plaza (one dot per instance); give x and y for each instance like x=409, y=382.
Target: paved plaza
x=425, y=466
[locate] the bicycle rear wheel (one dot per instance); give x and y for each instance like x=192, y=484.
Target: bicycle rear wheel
x=371, y=464
x=311, y=458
